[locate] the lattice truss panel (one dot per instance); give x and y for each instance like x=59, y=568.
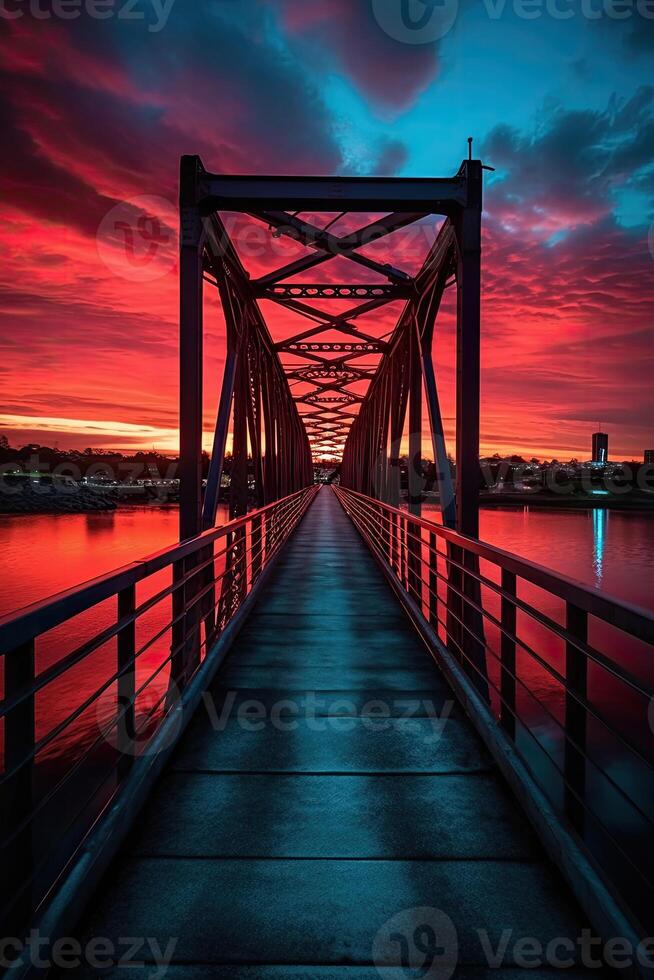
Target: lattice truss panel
x=326, y=366
x=330, y=363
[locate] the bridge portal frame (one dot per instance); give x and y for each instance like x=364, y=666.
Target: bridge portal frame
x=278, y=201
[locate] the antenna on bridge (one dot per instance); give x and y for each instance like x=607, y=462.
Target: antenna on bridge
x=484, y=166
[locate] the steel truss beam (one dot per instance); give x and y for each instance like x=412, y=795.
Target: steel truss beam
x=331, y=245
x=371, y=457
x=278, y=442
x=258, y=387
x=329, y=291
x=436, y=195
x=309, y=350
x=255, y=395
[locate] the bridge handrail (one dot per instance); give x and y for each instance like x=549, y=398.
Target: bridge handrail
x=442, y=590
x=626, y=616
x=29, y=622
x=207, y=589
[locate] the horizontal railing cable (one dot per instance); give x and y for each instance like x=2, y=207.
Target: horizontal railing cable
x=251, y=542
x=390, y=533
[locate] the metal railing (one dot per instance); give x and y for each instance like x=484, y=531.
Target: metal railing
x=77, y=710
x=565, y=670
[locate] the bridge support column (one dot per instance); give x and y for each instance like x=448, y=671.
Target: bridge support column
x=190, y=324
x=186, y=643
x=468, y=234
x=467, y=227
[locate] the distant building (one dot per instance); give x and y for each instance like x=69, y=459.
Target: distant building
x=600, y=447
x=649, y=457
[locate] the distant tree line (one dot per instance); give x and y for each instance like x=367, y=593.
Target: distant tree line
x=109, y=464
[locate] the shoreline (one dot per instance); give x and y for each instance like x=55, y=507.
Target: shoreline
x=519, y=501
x=89, y=504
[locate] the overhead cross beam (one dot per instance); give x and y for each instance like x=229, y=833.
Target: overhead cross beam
x=432, y=195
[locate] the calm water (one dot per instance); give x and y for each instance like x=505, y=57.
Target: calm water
x=609, y=550
x=44, y=554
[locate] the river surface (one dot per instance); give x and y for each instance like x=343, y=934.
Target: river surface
x=44, y=554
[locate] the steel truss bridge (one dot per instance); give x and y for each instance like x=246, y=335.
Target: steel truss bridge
x=328, y=738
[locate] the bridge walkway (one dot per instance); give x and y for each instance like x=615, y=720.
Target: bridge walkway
x=303, y=810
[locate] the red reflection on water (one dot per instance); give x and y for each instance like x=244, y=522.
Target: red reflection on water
x=46, y=553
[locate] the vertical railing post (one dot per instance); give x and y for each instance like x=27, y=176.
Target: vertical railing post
x=454, y=631
x=404, y=554
x=385, y=523
x=433, y=580
x=186, y=631
x=394, y=551
x=473, y=638
x=209, y=602
x=193, y=618
x=271, y=530
x=126, y=686
x=177, y=638
x=576, y=719
x=507, y=651
x=18, y=792
x=257, y=546
x=240, y=567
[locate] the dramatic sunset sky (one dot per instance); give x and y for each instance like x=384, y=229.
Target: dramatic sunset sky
x=96, y=112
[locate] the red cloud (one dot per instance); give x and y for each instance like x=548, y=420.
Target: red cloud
x=566, y=328
x=347, y=33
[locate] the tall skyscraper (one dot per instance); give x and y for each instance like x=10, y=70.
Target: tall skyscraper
x=600, y=447
x=649, y=457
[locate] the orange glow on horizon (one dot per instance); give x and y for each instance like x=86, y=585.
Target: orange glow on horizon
x=131, y=437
